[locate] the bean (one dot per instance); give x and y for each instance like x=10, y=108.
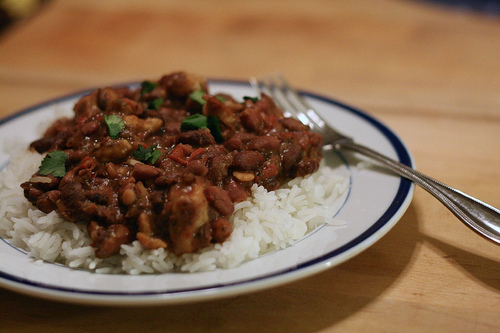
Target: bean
x=112, y=170
x=197, y=138
x=90, y=127
x=221, y=229
x=291, y=157
x=197, y=168
x=236, y=192
x=264, y=144
x=220, y=200
x=252, y=120
x=143, y=171
x=47, y=202
x=247, y=160
x=293, y=124
x=128, y=196
x=43, y=144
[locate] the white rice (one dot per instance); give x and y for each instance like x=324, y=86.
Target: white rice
x=268, y=221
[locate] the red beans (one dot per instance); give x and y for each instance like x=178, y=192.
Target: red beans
x=144, y=171
x=220, y=200
x=265, y=144
x=293, y=124
x=307, y=166
x=291, y=157
x=219, y=166
x=221, y=229
x=252, y=120
x=198, y=138
x=43, y=144
x=197, y=168
x=47, y=202
x=236, y=191
x=90, y=127
x=247, y=160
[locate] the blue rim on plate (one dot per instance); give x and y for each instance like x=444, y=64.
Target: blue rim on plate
x=393, y=212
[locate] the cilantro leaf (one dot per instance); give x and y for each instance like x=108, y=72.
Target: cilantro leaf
x=198, y=121
x=155, y=156
x=115, y=125
x=144, y=155
x=54, y=163
x=194, y=122
x=147, y=87
x=253, y=99
x=197, y=96
x=155, y=104
x=213, y=126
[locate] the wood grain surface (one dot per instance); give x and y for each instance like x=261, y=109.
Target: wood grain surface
x=430, y=72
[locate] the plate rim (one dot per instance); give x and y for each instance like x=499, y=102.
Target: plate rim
x=377, y=230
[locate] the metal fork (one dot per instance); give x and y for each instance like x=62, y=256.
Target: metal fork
x=479, y=216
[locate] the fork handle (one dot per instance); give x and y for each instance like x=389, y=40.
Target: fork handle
x=479, y=216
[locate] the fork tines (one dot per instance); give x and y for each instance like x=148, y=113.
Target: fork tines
x=288, y=99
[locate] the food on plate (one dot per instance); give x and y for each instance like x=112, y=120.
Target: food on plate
x=165, y=163
x=166, y=172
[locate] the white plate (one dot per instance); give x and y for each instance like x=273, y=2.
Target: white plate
x=375, y=202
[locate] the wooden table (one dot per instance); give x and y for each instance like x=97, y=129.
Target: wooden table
x=431, y=73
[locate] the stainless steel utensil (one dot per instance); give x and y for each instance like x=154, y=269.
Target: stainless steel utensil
x=479, y=216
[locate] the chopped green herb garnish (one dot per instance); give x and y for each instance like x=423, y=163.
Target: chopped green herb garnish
x=54, y=164
x=155, y=104
x=213, y=126
x=144, y=155
x=115, y=125
x=147, y=87
x=253, y=99
x=194, y=122
x=198, y=121
x=198, y=96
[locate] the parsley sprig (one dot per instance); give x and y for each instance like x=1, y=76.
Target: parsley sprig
x=155, y=103
x=54, y=163
x=149, y=155
x=147, y=87
x=197, y=121
x=197, y=96
x=253, y=99
x=115, y=125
